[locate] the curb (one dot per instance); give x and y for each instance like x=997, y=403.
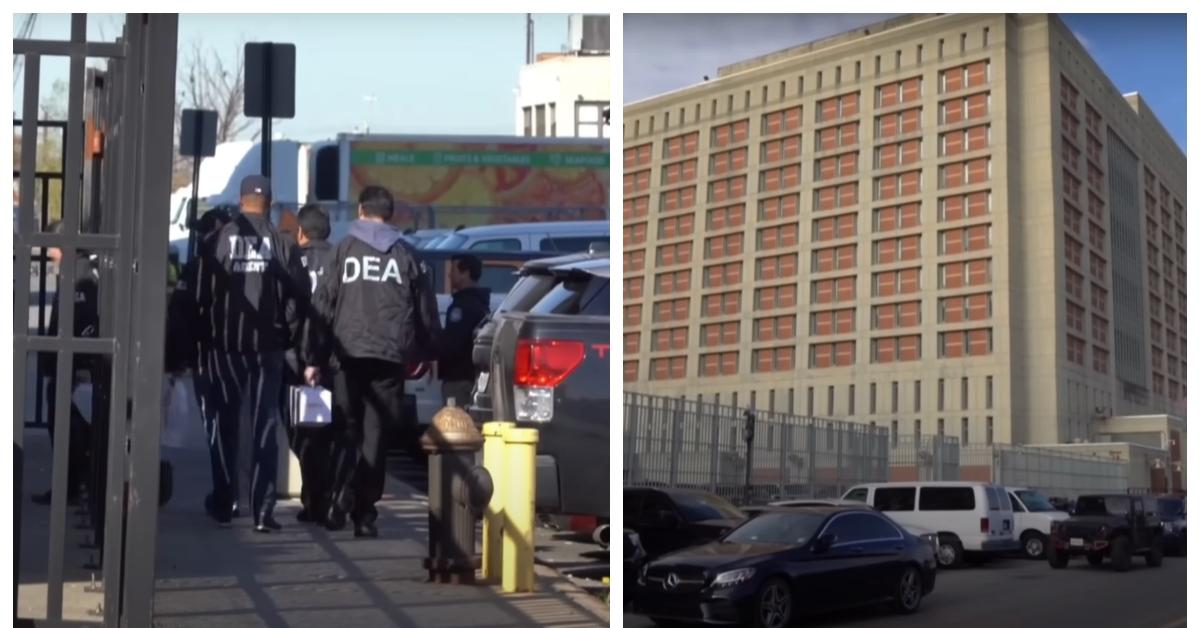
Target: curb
x=559, y=583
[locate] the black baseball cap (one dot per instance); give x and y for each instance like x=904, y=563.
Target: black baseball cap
x=256, y=185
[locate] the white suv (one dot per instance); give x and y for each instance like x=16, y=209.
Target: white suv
x=1033, y=514
x=969, y=517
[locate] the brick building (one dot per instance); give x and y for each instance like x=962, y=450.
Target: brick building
x=939, y=224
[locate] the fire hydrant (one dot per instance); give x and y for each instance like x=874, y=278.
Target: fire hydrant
x=458, y=489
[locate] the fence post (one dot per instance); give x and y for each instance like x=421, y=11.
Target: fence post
x=811, y=454
x=714, y=455
x=785, y=441
x=676, y=422
x=837, y=482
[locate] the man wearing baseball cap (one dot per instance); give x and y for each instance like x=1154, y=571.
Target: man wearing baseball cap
x=249, y=292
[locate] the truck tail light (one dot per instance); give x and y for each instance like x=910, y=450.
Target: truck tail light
x=984, y=525
x=541, y=365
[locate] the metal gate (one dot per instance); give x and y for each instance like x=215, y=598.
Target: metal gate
x=124, y=226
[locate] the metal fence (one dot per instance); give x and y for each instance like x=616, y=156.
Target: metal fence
x=133, y=113
x=674, y=442
x=923, y=458
x=1055, y=473
x=677, y=443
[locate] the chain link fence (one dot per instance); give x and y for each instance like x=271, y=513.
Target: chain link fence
x=672, y=442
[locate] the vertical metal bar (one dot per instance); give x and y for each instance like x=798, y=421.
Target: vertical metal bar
x=812, y=456
x=154, y=168
x=21, y=270
x=120, y=181
x=714, y=460
x=633, y=455
x=676, y=421
x=64, y=371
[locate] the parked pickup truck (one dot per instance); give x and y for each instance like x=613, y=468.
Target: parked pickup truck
x=536, y=278
x=552, y=364
x=1116, y=526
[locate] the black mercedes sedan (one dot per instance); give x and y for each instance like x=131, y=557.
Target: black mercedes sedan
x=785, y=563
x=668, y=519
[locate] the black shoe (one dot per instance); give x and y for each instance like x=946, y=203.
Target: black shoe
x=267, y=524
x=336, y=519
x=303, y=517
x=210, y=507
x=366, y=529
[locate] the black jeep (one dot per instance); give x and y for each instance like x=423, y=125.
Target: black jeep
x=1117, y=526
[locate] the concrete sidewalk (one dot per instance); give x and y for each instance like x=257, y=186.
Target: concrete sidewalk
x=306, y=576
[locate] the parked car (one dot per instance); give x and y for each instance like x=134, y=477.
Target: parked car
x=1172, y=511
x=668, y=519
x=1114, y=526
x=535, y=279
x=554, y=369
x=558, y=237
x=921, y=532
x=973, y=520
x=1032, y=516
x=786, y=563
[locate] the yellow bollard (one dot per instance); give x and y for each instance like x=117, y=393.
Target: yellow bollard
x=520, y=484
x=493, y=516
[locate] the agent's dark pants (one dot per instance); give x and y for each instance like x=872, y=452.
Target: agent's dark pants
x=369, y=396
x=80, y=439
x=224, y=382
x=312, y=446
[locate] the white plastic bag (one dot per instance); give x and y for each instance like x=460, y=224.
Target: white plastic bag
x=180, y=411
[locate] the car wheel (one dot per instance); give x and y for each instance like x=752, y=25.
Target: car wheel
x=1122, y=557
x=1095, y=560
x=950, y=552
x=1034, y=544
x=1057, y=559
x=909, y=591
x=773, y=609
x=1154, y=558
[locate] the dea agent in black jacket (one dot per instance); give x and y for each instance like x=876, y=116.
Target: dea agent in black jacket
x=382, y=314
x=471, y=304
x=312, y=445
x=249, y=292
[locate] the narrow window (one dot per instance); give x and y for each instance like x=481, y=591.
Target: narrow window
x=920, y=53
x=963, y=393
x=876, y=65
x=941, y=48
x=872, y=400
x=966, y=434
x=895, y=396
x=941, y=394
x=810, y=401
x=986, y=32
x=917, y=396
x=988, y=393
x=850, y=401
x=989, y=431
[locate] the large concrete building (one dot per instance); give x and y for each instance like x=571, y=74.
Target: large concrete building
x=939, y=224
x=566, y=94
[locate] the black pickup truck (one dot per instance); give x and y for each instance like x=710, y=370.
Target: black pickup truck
x=534, y=280
x=1114, y=526
x=550, y=371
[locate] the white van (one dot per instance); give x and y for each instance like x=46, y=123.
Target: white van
x=969, y=517
x=1033, y=514
x=556, y=237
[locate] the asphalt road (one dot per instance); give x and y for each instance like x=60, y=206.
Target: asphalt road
x=1007, y=593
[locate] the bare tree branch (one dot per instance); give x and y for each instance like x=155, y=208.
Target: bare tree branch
x=207, y=81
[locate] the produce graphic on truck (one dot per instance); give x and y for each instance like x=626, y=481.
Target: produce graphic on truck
x=437, y=181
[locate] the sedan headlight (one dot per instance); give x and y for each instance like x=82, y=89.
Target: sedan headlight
x=733, y=578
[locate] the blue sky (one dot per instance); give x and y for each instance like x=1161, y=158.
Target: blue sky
x=1143, y=53
x=440, y=74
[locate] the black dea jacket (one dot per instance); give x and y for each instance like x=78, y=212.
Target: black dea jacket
x=376, y=299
